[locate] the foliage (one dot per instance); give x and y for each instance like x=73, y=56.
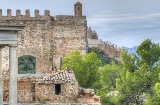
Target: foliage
x=155, y=98
x=139, y=73
x=85, y=68
x=122, y=83
x=108, y=75
x=102, y=56
x=149, y=52
x=136, y=75
x=26, y=64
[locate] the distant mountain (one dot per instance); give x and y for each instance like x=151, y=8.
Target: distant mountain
x=131, y=50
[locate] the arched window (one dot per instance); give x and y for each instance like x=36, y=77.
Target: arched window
x=26, y=64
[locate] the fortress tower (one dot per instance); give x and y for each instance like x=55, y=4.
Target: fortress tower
x=78, y=9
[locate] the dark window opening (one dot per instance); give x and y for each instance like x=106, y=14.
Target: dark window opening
x=27, y=64
x=57, y=89
x=78, y=8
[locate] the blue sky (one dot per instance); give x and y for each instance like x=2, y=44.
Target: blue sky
x=122, y=22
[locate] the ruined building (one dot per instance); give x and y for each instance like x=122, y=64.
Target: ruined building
x=39, y=35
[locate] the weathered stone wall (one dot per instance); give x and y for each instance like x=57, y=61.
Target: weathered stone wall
x=66, y=33
x=70, y=33
x=35, y=40
x=26, y=90
x=41, y=87
x=91, y=34
x=45, y=87
x=41, y=35
x=111, y=49
x=46, y=92
x=5, y=90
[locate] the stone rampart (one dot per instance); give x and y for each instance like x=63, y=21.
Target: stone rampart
x=91, y=34
x=41, y=33
x=109, y=48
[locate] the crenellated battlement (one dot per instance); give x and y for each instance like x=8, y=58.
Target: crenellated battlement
x=39, y=36
x=91, y=34
x=109, y=48
x=22, y=20
x=27, y=13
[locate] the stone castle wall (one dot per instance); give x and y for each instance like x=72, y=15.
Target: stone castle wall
x=42, y=33
x=109, y=48
x=91, y=34
x=40, y=36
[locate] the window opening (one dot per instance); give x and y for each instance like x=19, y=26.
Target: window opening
x=57, y=89
x=27, y=64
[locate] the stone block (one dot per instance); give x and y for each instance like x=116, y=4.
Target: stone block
x=9, y=13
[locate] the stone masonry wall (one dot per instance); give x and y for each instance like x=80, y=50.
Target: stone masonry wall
x=45, y=87
x=109, y=48
x=41, y=87
x=39, y=36
x=70, y=33
x=66, y=33
x=91, y=34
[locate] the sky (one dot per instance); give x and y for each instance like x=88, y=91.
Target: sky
x=122, y=22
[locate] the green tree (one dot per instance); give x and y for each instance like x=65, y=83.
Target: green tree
x=86, y=68
x=108, y=75
x=154, y=98
x=102, y=56
x=138, y=73
x=149, y=52
x=91, y=65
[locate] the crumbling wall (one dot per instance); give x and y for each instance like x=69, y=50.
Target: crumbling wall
x=45, y=87
x=46, y=92
x=88, y=96
x=65, y=33
x=26, y=90
x=35, y=40
x=41, y=87
x=70, y=33
x=91, y=34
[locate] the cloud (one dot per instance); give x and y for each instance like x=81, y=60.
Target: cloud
x=126, y=27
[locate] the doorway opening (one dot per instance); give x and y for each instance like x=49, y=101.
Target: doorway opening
x=57, y=89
